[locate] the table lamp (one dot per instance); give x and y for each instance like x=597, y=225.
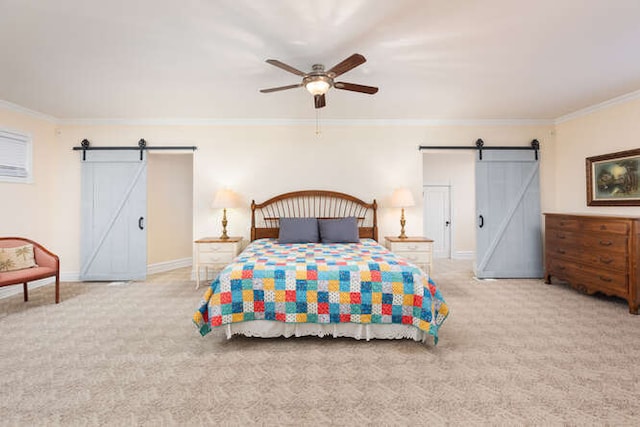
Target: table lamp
x=402, y=198
x=224, y=199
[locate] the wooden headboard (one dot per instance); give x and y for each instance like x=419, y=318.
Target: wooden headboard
x=265, y=216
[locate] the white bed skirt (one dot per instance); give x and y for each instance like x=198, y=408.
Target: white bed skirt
x=272, y=329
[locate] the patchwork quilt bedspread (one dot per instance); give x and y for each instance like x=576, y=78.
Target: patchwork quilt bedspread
x=322, y=283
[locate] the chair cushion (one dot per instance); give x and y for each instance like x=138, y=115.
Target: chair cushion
x=25, y=275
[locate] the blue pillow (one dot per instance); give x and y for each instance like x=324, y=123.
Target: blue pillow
x=339, y=230
x=298, y=230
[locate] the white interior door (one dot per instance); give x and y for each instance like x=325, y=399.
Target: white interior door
x=114, y=205
x=437, y=218
x=509, y=236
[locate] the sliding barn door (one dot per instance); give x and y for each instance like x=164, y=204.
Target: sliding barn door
x=509, y=236
x=114, y=205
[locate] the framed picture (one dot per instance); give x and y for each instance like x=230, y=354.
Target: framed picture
x=613, y=179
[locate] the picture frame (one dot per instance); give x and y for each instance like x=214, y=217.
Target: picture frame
x=614, y=179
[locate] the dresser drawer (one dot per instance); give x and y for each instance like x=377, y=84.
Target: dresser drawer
x=563, y=238
x=609, y=261
x=605, y=244
x=600, y=280
x=562, y=223
x=563, y=269
x=606, y=227
x=562, y=248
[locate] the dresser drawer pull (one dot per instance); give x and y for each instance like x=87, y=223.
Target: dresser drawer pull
x=605, y=279
x=603, y=227
x=561, y=267
x=606, y=242
x=561, y=251
x=606, y=260
x=560, y=236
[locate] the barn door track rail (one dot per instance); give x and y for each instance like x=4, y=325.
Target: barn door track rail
x=85, y=146
x=535, y=146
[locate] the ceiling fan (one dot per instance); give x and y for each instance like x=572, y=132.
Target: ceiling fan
x=319, y=81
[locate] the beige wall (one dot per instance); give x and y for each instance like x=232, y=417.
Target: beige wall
x=457, y=169
x=261, y=161
x=169, y=206
x=612, y=129
x=31, y=210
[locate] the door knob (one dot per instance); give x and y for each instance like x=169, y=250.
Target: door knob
x=446, y=223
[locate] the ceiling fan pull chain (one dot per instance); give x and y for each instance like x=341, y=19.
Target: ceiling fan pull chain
x=317, y=121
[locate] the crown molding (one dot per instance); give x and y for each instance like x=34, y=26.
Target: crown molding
x=23, y=110
x=598, y=107
x=306, y=122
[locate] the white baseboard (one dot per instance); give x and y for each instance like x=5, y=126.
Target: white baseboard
x=161, y=267
x=464, y=255
x=7, y=291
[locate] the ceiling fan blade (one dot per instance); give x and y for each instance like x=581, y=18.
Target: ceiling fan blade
x=346, y=65
x=285, y=67
x=356, y=88
x=319, y=101
x=275, y=89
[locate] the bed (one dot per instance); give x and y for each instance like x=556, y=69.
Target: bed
x=341, y=283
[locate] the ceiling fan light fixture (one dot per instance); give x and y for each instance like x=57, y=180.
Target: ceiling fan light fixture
x=318, y=81
x=317, y=87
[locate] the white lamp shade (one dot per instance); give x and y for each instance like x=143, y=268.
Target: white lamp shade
x=402, y=198
x=225, y=198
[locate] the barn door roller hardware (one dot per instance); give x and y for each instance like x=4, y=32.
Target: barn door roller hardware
x=535, y=146
x=85, y=146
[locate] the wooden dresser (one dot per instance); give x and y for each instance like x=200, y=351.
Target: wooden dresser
x=594, y=254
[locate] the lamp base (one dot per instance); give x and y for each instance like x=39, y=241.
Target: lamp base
x=224, y=226
x=402, y=223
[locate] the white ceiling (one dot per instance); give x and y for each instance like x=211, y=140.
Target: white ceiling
x=204, y=59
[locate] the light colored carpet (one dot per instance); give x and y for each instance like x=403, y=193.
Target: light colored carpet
x=512, y=352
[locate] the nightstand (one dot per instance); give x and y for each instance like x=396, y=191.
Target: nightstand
x=215, y=253
x=417, y=250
